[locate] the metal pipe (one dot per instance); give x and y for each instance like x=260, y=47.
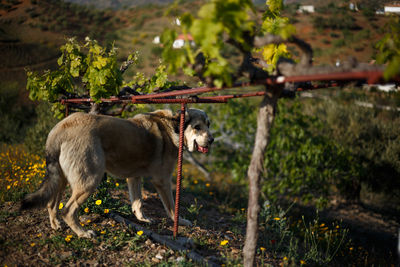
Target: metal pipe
x=179, y=171
x=370, y=76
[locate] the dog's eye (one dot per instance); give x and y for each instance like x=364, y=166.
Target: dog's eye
x=197, y=127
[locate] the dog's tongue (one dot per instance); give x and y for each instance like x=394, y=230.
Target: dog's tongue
x=202, y=149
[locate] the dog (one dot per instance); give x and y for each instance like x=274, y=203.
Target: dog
x=82, y=147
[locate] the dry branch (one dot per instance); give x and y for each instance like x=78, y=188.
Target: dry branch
x=179, y=244
x=192, y=160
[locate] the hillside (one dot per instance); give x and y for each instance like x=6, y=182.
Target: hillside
x=31, y=33
x=119, y=4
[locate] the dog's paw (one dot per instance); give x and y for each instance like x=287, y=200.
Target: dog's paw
x=145, y=219
x=55, y=224
x=88, y=234
x=184, y=222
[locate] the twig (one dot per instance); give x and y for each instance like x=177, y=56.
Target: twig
x=192, y=160
x=125, y=65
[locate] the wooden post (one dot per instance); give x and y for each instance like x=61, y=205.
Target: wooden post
x=265, y=118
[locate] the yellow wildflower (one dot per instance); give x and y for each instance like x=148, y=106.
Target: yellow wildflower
x=33, y=244
x=285, y=258
x=106, y=211
x=277, y=218
x=195, y=182
x=139, y=233
x=86, y=210
x=98, y=202
x=103, y=232
x=207, y=184
x=262, y=249
x=60, y=206
x=68, y=238
x=302, y=262
x=116, y=184
x=224, y=242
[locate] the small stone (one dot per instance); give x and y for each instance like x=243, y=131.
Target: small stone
x=158, y=256
x=155, y=260
x=148, y=242
x=65, y=255
x=180, y=258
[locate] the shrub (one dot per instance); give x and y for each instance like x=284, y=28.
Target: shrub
x=371, y=137
x=299, y=162
x=299, y=242
x=302, y=162
x=339, y=43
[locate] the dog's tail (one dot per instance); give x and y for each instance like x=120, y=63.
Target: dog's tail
x=48, y=187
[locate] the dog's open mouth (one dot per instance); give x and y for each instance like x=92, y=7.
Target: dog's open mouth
x=202, y=149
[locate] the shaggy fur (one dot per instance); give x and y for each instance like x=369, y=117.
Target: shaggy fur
x=80, y=148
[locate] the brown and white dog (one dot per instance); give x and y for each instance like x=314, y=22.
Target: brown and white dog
x=80, y=148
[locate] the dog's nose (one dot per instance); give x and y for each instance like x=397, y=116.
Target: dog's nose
x=210, y=140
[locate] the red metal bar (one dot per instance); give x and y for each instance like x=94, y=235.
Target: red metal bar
x=200, y=90
x=179, y=171
x=212, y=100
x=66, y=110
x=370, y=76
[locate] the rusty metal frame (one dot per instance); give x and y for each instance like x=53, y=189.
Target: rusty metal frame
x=329, y=80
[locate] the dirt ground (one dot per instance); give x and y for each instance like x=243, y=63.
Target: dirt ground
x=26, y=238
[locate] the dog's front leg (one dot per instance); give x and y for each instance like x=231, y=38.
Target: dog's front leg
x=135, y=194
x=163, y=187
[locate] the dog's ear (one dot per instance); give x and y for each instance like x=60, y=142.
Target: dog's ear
x=187, y=115
x=177, y=117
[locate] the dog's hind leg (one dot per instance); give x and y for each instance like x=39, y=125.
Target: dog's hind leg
x=83, y=166
x=163, y=187
x=53, y=205
x=78, y=197
x=135, y=194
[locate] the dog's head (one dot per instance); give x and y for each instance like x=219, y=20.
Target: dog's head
x=197, y=133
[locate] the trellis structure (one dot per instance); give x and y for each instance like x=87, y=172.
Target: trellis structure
x=189, y=96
